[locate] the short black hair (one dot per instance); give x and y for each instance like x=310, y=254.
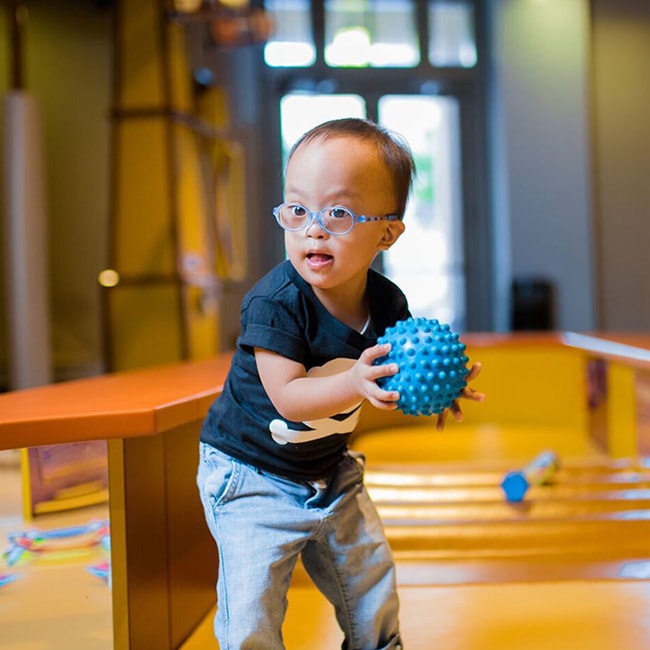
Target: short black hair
x=393, y=148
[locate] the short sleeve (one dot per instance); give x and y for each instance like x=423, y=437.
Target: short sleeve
x=272, y=325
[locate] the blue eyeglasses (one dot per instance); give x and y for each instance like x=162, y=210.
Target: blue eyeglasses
x=336, y=220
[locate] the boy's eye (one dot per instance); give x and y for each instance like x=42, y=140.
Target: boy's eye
x=298, y=210
x=339, y=213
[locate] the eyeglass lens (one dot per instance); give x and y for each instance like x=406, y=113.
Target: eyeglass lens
x=293, y=216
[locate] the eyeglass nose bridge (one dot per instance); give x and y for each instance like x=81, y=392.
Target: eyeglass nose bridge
x=317, y=217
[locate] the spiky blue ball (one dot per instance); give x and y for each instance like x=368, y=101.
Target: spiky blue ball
x=432, y=365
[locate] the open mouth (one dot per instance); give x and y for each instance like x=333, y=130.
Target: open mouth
x=318, y=259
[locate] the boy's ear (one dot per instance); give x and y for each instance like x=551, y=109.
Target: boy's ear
x=392, y=232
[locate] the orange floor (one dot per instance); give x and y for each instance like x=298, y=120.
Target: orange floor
x=591, y=592
x=541, y=616
x=582, y=594
x=502, y=580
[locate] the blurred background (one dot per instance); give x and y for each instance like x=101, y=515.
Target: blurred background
x=161, y=130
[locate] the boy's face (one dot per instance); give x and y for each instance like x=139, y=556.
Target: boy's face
x=340, y=171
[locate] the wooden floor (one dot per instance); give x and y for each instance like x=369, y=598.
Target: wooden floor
x=567, y=569
x=478, y=573
x=581, y=615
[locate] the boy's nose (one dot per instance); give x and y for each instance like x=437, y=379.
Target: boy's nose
x=316, y=230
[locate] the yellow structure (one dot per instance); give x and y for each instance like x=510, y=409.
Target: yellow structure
x=177, y=216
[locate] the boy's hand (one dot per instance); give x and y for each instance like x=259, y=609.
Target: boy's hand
x=467, y=393
x=363, y=377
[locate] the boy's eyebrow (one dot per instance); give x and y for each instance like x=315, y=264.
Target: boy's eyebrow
x=347, y=193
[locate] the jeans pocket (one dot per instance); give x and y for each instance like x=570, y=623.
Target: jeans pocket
x=217, y=476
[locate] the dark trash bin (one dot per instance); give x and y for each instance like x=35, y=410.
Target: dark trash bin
x=533, y=304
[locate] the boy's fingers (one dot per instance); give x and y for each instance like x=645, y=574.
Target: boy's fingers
x=385, y=370
x=474, y=370
x=375, y=352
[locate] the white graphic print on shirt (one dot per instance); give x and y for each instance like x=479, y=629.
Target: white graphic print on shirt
x=341, y=424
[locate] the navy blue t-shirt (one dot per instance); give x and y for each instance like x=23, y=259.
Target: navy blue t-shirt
x=282, y=314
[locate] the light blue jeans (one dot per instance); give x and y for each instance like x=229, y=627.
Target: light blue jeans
x=262, y=523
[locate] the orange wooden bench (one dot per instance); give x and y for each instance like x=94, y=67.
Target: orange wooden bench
x=163, y=558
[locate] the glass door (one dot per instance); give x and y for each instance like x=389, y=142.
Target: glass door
x=427, y=263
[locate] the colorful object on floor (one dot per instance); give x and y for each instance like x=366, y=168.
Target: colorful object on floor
x=432, y=365
x=6, y=578
x=539, y=471
x=57, y=543
x=102, y=571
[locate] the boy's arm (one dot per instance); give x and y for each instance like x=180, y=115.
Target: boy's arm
x=300, y=398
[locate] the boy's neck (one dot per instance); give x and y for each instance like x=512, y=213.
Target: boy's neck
x=350, y=308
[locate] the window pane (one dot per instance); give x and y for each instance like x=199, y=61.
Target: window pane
x=427, y=261
x=299, y=112
x=377, y=33
x=291, y=43
x=451, y=34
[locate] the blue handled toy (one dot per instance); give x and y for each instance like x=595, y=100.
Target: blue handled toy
x=432, y=365
x=539, y=471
